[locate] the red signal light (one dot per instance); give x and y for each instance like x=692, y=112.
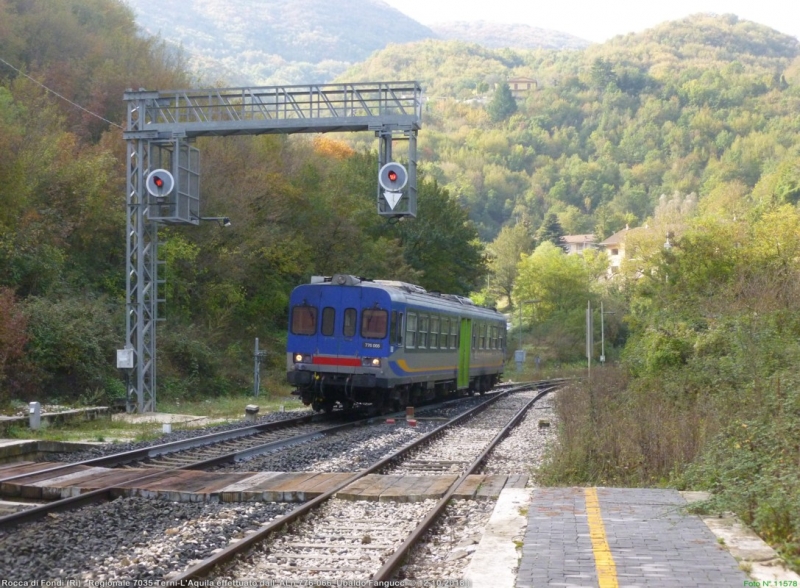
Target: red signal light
x=392, y=176
x=158, y=182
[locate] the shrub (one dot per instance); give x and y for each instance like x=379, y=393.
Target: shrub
x=13, y=337
x=72, y=345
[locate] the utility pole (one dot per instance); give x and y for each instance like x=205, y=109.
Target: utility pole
x=589, y=336
x=603, y=334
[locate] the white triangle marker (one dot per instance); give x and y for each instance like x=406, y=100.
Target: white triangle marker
x=392, y=198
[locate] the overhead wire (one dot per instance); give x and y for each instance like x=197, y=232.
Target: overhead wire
x=64, y=98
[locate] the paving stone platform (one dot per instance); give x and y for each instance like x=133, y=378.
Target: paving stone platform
x=587, y=537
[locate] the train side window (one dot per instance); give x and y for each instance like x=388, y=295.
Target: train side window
x=411, y=331
x=445, y=332
x=396, y=329
x=423, y=331
x=328, y=321
x=454, y=326
x=493, y=340
x=349, y=326
x=374, y=323
x=304, y=320
x=434, y=337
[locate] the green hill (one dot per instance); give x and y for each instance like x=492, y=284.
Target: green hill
x=244, y=42
x=694, y=105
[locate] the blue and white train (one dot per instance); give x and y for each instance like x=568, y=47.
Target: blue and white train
x=389, y=344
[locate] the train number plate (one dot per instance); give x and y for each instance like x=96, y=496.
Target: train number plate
x=372, y=345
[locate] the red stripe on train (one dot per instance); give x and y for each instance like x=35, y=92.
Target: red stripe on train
x=347, y=361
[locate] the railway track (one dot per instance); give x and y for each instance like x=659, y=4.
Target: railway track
x=337, y=539
x=202, y=452
x=126, y=538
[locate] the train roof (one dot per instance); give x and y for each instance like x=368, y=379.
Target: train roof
x=412, y=291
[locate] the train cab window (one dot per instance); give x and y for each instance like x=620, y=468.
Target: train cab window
x=423, y=331
x=328, y=320
x=411, y=331
x=349, y=326
x=304, y=320
x=434, y=336
x=396, y=329
x=454, y=334
x=445, y=333
x=374, y=323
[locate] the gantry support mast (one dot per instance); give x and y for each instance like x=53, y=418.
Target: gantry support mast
x=161, y=125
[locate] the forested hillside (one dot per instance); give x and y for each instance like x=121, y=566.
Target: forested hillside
x=265, y=42
x=299, y=206
x=513, y=36
x=706, y=105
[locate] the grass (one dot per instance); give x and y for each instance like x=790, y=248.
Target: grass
x=547, y=371
x=100, y=430
x=228, y=407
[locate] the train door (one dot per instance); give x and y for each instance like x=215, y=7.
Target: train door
x=338, y=323
x=348, y=327
x=330, y=314
x=464, y=350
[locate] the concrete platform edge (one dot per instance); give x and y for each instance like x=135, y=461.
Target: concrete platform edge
x=756, y=557
x=494, y=563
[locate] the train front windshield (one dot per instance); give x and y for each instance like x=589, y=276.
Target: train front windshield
x=333, y=321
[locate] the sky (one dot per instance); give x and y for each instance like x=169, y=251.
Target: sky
x=597, y=20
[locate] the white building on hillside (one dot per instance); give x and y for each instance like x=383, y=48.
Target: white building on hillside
x=578, y=243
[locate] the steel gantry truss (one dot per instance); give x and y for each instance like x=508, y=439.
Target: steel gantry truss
x=160, y=128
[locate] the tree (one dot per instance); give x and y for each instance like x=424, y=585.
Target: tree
x=560, y=284
x=506, y=250
x=550, y=230
x=443, y=243
x=13, y=336
x=503, y=104
x=559, y=281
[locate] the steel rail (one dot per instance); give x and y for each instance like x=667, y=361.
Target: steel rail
x=394, y=561
x=202, y=569
x=112, y=491
x=172, y=447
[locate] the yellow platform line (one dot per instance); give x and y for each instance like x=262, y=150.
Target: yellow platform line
x=603, y=561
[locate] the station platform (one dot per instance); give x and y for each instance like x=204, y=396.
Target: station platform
x=609, y=537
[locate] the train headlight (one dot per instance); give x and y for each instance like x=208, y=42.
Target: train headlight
x=371, y=361
x=300, y=358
